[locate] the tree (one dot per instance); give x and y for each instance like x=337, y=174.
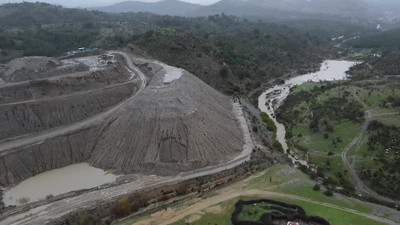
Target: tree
x=224, y=72
x=317, y=187
x=328, y=193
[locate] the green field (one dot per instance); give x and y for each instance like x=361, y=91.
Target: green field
x=319, y=125
x=293, y=186
x=289, y=181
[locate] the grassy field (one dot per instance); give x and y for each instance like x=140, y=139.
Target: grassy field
x=336, y=130
x=287, y=180
x=281, y=183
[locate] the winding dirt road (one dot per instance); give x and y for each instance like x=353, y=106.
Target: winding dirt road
x=360, y=186
x=235, y=191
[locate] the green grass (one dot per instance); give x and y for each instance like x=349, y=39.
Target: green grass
x=223, y=218
x=334, y=216
x=316, y=144
x=305, y=87
x=270, y=123
x=319, y=147
x=254, y=212
x=287, y=180
x=390, y=120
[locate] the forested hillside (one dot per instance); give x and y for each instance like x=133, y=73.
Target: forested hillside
x=233, y=54
x=388, y=39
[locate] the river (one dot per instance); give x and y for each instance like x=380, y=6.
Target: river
x=55, y=182
x=271, y=99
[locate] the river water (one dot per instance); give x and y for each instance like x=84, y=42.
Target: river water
x=271, y=99
x=55, y=182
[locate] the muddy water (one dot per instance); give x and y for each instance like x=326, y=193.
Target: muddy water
x=271, y=99
x=55, y=182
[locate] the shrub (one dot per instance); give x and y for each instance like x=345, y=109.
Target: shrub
x=255, y=129
x=224, y=71
x=317, y=187
x=270, y=123
x=122, y=208
x=278, y=146
x=328, y=193
x=182, y=189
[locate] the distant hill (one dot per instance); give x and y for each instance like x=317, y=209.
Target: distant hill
x=295, y=8
x=165, y=7
x=343, y=8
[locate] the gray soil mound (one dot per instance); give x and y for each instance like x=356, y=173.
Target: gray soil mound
x=170, y=128
x=108, y=118
x=35, y=67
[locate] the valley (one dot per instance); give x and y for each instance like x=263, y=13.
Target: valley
x=237, y=112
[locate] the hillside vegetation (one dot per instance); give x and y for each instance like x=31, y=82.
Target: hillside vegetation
x=232, y=54
x=388, y=39
x=325, y=119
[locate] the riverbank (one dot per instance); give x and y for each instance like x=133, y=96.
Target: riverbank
x=271, y=99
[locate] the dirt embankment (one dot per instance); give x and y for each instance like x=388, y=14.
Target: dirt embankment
x=24, y=162
x=166, y=128
x=37, y=107
x=170, y=128
x=33, y=106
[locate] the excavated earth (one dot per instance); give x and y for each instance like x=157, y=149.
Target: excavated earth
x=133, y=116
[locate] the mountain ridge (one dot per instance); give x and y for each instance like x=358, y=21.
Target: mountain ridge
x=164, y=7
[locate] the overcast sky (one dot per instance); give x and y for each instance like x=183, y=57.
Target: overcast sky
x=89, y=3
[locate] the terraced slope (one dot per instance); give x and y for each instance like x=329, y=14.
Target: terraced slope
x=169, y=128
x=160, y=121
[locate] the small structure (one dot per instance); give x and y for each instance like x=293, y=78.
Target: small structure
x=81, y=50
x=107, y=59
x=293, y=223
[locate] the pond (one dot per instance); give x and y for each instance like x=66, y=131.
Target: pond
x=55, y=182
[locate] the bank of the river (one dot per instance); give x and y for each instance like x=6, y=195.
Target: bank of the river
x=271, y=99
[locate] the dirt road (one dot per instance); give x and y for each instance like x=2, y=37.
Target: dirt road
x=360, y=186
x=198, y=205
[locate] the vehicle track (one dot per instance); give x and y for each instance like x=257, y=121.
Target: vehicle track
x=232, y=192
x=360, y=186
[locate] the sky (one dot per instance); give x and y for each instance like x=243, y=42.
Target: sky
x=92, y=3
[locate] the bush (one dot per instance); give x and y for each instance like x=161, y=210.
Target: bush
x=255, y=129
x=122, y=208
x=182, y=189
x=328, y=193
x=317, y=187
x=224, y=71
x=270, y=123
x=278, y=146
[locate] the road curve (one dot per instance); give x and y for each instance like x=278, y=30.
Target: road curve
x=21, y=141
x=206, y=203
